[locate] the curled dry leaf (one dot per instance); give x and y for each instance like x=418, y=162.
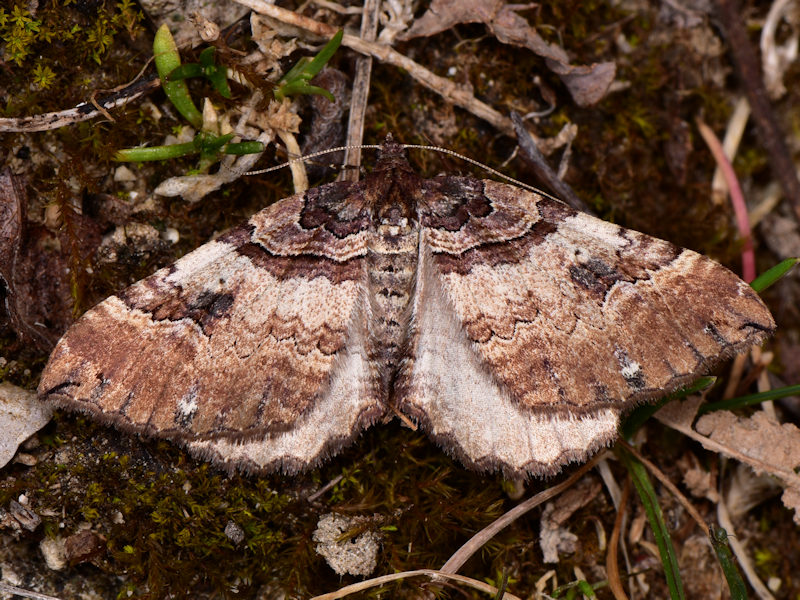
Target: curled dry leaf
x=765, y=445
x=21, y=415
x=586, y=83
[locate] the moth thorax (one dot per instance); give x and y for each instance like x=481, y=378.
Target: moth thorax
x=392, y=268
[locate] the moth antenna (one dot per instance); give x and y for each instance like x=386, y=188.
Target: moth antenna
x=480, y=165
x=308, y=157
x=439, y=149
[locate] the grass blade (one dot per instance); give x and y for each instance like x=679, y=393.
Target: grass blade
x=772, y=275
x=719, y=541
x=656, y=518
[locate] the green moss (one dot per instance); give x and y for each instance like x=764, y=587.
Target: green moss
x=27, y=35
x=164, y=515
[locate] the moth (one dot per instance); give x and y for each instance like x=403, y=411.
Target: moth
x=512, y=329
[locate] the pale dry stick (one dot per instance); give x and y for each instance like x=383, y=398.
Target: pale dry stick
x=432, y=573
x=84, y=111
x=358, y=102
x=775, y=60
x=16, y=591
x=763, y=359
x=297, y=167
x=612, y=559
x=325, y=488
x=730, y=145
x=693, y=512
x=477, y=541
x=450, y=91
x=770, y=198
x=735, y=376
x=337, y=8
x=738, y=549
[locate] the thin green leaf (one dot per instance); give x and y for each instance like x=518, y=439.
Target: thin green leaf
x=586, y=589
x=240, y=148
x=212, y=144
x=772, y=275
x=656, y=518
x=750, y=399
x=216, y=74
x=219, y=79
x=185, y=72
x=167, y=59
x=295, y=81
x=501, y=590
x=639, y=415
x=719, y=541
x=300, y=87
x=156, y=152
x=207, y=57
x=324, y=55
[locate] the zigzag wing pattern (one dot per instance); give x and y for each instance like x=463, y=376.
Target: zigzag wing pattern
x=258, y=335
x=535, y=326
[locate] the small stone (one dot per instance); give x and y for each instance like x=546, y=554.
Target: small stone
x=123, y=174
x=26, y=459
x=170, y=235
x=83, y=546
x=234, y=533
x=53, y=552
x=355, y=556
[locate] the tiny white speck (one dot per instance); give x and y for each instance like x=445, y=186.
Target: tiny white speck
x=630, y=369
x=187, y=405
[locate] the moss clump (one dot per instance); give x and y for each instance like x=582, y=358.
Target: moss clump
x=164, y=515
x=27, y=34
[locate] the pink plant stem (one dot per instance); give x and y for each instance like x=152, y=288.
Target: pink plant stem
x=737, y=200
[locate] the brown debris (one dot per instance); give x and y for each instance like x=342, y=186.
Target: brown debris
x=765, y=445
x=554, y=535
x=83, y=546
x=34, y=267
x=587, y=84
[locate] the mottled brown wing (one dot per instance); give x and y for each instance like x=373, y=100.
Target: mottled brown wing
x=535, y=326
x=253, y=337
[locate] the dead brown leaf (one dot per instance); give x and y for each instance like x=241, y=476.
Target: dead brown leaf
x=586, y=83
x=765, y=445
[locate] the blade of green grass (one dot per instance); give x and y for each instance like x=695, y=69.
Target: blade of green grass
x=719, y=541
x=151, y=153
x=295, y=81
x=656, y=518
x=750, y=399
x=767, y=278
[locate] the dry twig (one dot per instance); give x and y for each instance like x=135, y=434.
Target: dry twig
x=358, y=102
x=449, y=90
x=463, y=554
